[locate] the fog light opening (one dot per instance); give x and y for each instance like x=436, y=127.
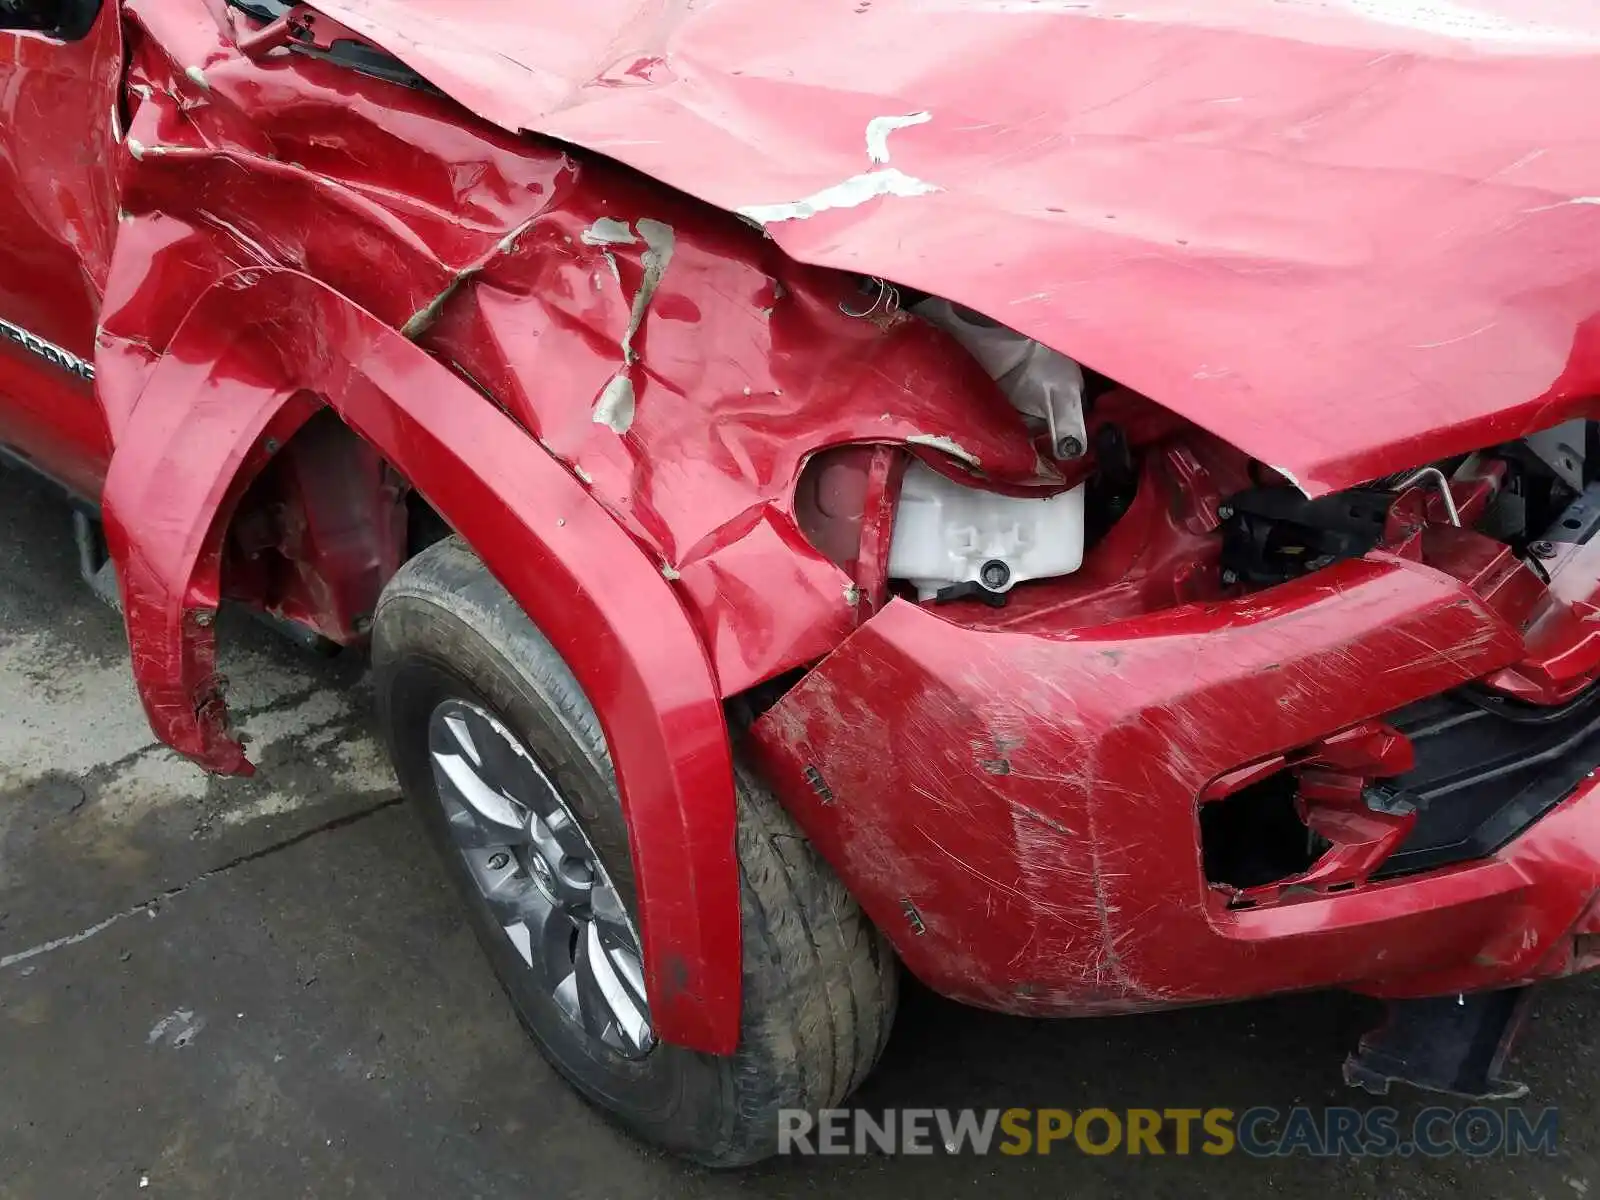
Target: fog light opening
x=1256, y=836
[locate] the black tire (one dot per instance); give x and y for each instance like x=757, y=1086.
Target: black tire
x=820, y=982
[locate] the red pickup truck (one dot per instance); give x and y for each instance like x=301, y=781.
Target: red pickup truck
x=1093, y=502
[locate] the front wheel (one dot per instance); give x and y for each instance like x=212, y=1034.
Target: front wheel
x=502, y=753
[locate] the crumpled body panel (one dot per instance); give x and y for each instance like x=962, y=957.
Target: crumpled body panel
x=1348, y=237
x=680, y=365
x=685, y=371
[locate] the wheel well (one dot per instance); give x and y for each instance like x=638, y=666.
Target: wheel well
x=319, y=531
x=424, y=525
x=195, y=437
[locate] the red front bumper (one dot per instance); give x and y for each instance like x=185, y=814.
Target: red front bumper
x=1017, y=806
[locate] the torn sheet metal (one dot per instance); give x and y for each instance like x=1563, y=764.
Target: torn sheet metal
x=1347, y=237
x=685, y=371
x=321, y=198
x=680, y=366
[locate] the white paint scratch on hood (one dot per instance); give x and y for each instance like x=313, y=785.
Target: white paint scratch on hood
x=858, y=189
x=879, y=129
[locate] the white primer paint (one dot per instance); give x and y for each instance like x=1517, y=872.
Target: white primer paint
x=660, y=241
x=615, y=407
x=948, y=445
x=608, y=231
x=879, y=129
x=856, y=190
x=881, y=180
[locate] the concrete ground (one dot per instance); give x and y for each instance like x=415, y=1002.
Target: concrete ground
x=262, y=988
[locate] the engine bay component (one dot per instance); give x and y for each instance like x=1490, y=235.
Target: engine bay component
x=1562, y=448
x=1436, y=477
x=1272, y=534
x=952, y=541
x=1580, y=520
x=1041, y=383
x=947, y=534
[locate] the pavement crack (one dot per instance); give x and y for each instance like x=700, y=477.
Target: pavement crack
x=152, y=906
x=305, y=835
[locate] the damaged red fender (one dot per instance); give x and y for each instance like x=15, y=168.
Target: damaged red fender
x=673, y=358
x=256, y=357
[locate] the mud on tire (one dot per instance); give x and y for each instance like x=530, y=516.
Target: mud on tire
x=820, y=983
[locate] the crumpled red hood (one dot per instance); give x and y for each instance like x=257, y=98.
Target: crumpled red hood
x=1348, y=236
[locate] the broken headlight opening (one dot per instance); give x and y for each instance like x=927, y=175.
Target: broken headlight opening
x=928, y=524
x=1531, y=495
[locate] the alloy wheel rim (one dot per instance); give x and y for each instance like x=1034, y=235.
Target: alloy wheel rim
x=540, y=875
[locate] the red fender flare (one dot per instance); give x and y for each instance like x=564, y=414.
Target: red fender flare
x=257, y=355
